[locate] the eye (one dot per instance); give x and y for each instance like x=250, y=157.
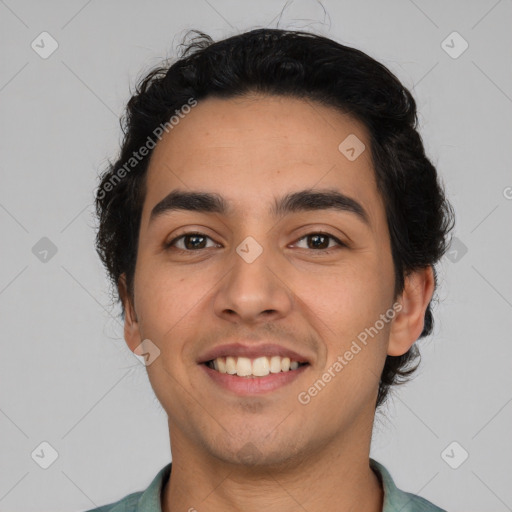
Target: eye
x=320, y=241
x=191, y=241
x=194, y=241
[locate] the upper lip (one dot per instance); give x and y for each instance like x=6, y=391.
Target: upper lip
x=251, y=351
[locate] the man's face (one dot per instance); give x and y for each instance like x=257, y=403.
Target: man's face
x=255, y=278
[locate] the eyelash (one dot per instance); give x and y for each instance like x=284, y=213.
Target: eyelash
x=169, y=245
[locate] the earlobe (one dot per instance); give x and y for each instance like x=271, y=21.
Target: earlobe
x=409, y=322
x=131, y=325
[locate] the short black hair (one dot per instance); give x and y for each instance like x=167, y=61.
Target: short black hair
x=301, y=65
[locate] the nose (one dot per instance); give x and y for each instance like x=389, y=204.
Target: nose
x=253, y=290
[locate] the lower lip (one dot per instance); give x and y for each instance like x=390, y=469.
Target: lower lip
x=253, y=385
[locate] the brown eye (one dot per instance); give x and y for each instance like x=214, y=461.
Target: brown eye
x=191, y=241
x=320, y=241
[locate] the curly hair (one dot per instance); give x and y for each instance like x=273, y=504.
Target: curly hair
x=300, y=65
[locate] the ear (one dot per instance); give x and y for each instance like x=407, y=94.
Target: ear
x=409, y=321
x=131, y=325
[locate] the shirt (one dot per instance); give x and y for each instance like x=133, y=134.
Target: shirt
x=395, y=500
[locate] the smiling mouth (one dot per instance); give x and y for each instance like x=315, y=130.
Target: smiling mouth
x=254, y=367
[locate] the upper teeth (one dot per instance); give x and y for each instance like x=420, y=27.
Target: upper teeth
x=258, y=367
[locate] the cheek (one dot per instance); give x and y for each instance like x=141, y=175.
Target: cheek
x=348, y=295
x=344, y=306
x=164, y=296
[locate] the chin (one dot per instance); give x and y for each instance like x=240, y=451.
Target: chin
x=258, y=451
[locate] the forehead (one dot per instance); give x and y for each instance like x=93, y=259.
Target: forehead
x=253, y=149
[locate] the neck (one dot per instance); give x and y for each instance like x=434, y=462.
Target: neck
x=337, y=477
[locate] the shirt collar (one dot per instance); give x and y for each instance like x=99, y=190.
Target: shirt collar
x=394, y=498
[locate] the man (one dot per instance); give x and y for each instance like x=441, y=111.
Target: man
x=271, y=226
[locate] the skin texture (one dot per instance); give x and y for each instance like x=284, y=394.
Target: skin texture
x=268, y=452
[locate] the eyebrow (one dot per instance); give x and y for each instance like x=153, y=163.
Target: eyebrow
x=301, y=201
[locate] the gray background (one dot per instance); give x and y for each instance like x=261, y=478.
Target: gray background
x=68, y=378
